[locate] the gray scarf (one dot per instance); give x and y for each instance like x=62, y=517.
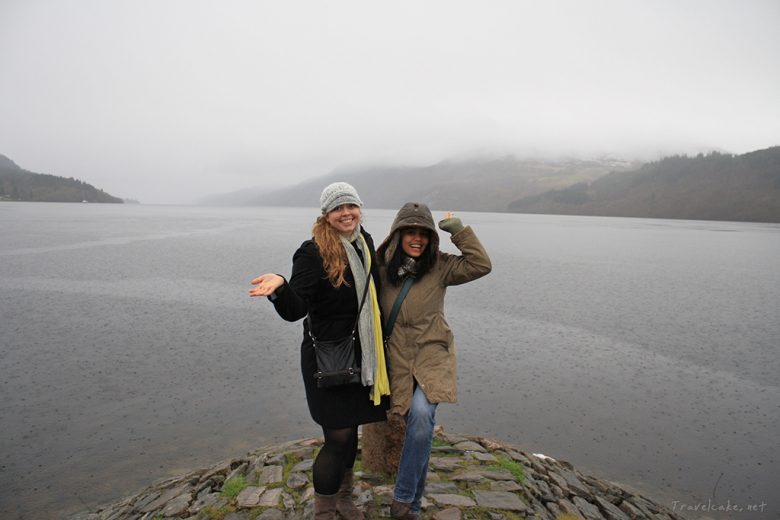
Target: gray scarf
x=366, y=319
x=408, y=266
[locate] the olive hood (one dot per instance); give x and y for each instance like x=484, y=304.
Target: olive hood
x=412, y=214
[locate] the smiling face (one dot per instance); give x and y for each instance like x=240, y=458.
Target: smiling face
x=344, y=218
x=414, y=241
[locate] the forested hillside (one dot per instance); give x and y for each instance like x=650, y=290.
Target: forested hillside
x=706, y=187
x=19, y=184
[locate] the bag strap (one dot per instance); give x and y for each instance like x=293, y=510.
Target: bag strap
x=360, y=308
x=397, y=305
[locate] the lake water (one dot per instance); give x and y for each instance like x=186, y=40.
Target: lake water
x=643, y=351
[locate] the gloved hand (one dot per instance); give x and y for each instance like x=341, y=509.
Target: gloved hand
x=451, y=224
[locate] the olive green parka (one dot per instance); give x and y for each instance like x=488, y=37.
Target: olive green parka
x=422, y=346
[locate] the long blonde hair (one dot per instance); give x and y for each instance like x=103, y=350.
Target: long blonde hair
x=334, y=257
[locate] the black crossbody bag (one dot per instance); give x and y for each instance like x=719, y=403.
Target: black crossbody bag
x=337, y=364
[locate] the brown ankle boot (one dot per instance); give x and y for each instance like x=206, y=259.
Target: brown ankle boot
x=324, y=507
x=400, y=511
x=344, y=503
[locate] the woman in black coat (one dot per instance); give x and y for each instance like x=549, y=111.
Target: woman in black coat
x=328, y=279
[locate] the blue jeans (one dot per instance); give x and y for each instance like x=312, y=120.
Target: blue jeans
x=413, y=468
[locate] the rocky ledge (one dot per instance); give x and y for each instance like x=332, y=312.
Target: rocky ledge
x=469, y=478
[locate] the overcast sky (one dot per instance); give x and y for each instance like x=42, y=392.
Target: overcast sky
x=167, y=101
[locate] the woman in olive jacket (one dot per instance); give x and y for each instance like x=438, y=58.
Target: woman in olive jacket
x=421, y=347
x=329, y=275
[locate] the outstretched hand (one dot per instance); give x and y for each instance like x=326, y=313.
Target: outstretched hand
x=266, y=285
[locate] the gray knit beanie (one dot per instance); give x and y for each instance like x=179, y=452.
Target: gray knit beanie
x=336, y=194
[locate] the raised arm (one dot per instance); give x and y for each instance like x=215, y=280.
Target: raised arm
x=472, y=263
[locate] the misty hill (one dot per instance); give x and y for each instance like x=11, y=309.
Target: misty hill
x=706, y=187
x=475, y=185
x=19, y=184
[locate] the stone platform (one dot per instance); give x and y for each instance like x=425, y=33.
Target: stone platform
x=470, y=478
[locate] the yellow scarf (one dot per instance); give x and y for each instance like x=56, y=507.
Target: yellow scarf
x=381, y=381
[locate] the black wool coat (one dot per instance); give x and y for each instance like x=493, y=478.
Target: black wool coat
x=333, y=312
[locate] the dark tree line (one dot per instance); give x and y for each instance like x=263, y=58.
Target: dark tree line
x=22, y=185
x=714, y=186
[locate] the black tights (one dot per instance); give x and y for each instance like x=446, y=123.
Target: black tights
x=337, y=455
